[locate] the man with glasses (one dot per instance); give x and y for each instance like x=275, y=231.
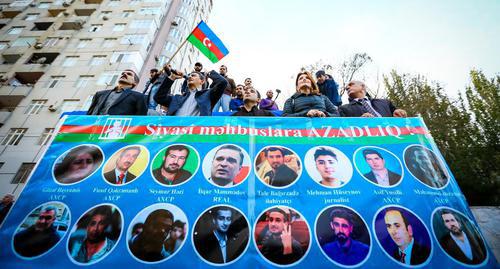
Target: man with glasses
x=122, y=99
x=171, y=171
x=39, y=237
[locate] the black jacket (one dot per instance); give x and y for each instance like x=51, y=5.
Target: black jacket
x=355, y=109
x=130, y=102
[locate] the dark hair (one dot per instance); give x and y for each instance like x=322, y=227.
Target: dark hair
x=314, y=87
x=63, y=167
x=130, y=148
x=153, y=70
x=177, y=147
x=403, y=216
x=178, y=224
x=446, y=211
x=232, y=147
x=274, y=149
x=137, y=226
x=277, y=209
x=215, y=211
x=155, y=215
x=371, y=151
x=343, y=214
x=103, y=210
x=198, y=64
x=324, y=151
x=320, y=73
x=223, y=66
x=136, y=77
x=200, y=74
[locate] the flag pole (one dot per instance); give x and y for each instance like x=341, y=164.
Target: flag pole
x=175, y=53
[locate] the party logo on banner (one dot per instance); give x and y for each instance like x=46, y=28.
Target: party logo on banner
x=115, y=128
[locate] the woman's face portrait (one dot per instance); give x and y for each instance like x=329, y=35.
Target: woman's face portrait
x=81, y=166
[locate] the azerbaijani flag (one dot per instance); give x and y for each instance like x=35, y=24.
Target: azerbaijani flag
x=207, y=42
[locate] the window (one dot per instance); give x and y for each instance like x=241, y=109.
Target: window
x=137, y=24
x=83, y=43
x=46, y=136
x=14, y=136
x=24, y=42
x=119, y=27
x=113, y=3
x=23, y=173
x=109, y=42
x=83, y=81
x=69, y=105
x=128, y=57
x=44, y=4
x=70, y=60
x=95, y=27
x=15, y=30
x=4, y=45
x=108, y=78
x=149, y=11
x=35, y=106
x=134, y=40
x=20, y=3
x=170, y=47
x=54, y=81
x=134, y=2
x=87, y=103
x=51, y=41
x=175, y=33
x=31, y=16
x=105, y=13
x=127, y=13
x=97, y=60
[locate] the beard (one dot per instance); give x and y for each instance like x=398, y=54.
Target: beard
x=342, y=238
x=455, y=230
x=172, y=170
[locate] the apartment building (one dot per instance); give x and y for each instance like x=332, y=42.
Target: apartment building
x=54, y=55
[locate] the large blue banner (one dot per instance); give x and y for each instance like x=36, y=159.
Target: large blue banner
x=197, y=192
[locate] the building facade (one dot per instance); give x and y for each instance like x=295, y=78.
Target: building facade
x=55, y=54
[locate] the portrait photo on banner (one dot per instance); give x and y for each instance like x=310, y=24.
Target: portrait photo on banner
x=426, y=166
x=403, y=236
x=175, y=164
x=95, y=234
x=277, y=166
x=328, y=166
x=157, y=233
x=458, y=237
x=226, y=166
x=221, y=235
x=343, y=236
x=378, y=166
x=77, y=164
x=126, y=165
x=41, y=230
x=282, y=236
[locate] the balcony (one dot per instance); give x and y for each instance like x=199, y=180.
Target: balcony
x=74, y=25
x=10, y=97
x=27, y=79
x=10, y=13
x=4, y=116
x=84, y=12
x=55, y=11
x=41, y=26
x=93, y=1
x=42, y=58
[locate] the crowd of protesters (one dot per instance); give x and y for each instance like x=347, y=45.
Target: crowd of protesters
x=203, y=93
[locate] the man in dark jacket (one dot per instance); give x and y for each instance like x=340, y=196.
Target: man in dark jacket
x=228, y=92
x=328, y=87
x=197, y=101
x=362, y=106
x=250, y=101
x=121, y=100
x=151, y=89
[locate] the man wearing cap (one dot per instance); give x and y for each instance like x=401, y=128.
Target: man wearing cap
x=328, y=87
x=362, y=106
x=121, y=100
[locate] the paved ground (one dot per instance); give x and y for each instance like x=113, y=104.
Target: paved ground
x=488, y=218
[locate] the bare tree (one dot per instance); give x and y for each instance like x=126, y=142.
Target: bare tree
x=351, y=67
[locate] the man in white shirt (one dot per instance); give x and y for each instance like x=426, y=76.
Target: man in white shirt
x=379, y=174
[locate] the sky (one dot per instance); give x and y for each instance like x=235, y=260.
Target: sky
x=270, y=41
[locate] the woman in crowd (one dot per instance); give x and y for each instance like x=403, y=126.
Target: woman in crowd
x=308, y=101
x=78, y=164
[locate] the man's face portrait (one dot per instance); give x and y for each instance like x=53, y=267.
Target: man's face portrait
x=176, y=232
x=342, y=229
x=226, y=165
x=452, y=224
x=375, y=162
x=174, y=160
x=276, y=222
x=355, y=87
x=194, y=80
x=127, y=159
x=198, y=67
x=400, y=234
x=275, y=158
x=250, y=94
x=223, y=70
x=269, y=94
x=223, y=220
x=326, y=165
x=159, y=228
x=128, y=77
x=321, y=78
x=45, y=220
x=96, y=228
x=248, y=81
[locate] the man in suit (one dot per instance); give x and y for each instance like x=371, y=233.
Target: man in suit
x=379, y=174
x=425, y=166
x=121, y=100
x=409, y=251
x=197, y=100
x=362, y=106
x=226, y=165
x=120, y=175
x=281, y=175
x=460, y=243
x=222, y=243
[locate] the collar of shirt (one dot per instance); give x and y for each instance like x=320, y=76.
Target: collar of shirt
x=407, y=252
x=463, y=245
x=117, y=174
